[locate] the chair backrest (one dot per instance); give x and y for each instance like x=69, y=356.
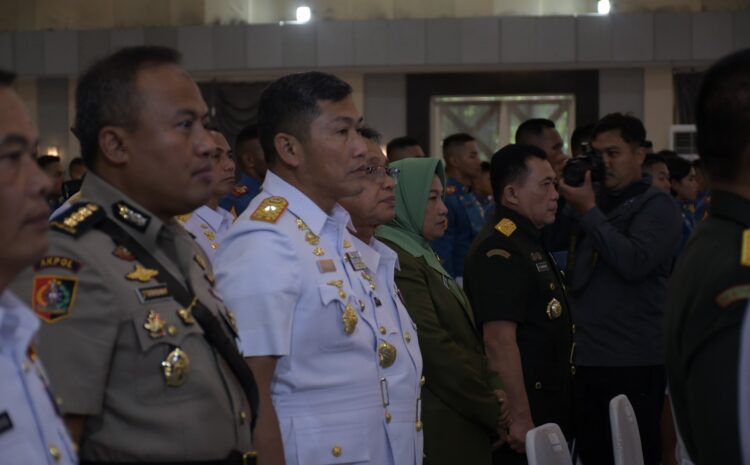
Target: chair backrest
x=626, y=438
x=546, y=445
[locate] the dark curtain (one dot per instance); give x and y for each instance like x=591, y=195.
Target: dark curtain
x=686, y=86
x=232, y=105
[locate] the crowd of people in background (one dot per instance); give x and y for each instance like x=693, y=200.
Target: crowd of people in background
x=299, y=296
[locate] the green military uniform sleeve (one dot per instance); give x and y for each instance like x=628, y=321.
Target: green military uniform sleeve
x=456, y=374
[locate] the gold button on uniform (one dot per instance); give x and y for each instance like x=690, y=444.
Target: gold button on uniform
x=336, y=451
x=572, y=370
x=419, y=425
x=407, y=336
x=172, y=330
x=382, y=330
x=421, y=381
x=243, y=417
x=54, y=452
x=388, y=417
x=551, y=286
x=573, y=329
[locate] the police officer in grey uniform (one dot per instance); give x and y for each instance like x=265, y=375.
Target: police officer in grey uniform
x=31, y=430
x=139, y=367
x=518, y=298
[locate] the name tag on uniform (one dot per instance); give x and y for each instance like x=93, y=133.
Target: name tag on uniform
x=6, y=424
x=356, y=260
x=155, y=293
x=542, y=267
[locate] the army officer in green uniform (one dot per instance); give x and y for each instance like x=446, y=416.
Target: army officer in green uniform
x=517, y=295
x=710, y=286
x=138, y=368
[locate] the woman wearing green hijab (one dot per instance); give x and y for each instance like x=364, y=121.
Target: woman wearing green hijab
x=460, y=407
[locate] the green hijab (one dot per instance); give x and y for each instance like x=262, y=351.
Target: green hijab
x=412, y=192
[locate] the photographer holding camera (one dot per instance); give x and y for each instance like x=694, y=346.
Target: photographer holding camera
x=618, y=264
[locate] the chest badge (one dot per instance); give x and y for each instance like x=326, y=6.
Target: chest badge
x=154, y=324
x=554, y=309
x=175, y=367
x=356, y=260
x=386, y=354
x=141, y=274
x=349, y=318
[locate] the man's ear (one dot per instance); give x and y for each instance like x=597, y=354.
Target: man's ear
x=640, y=154
x=288, y=148
x=112, y=145
x=510, y=194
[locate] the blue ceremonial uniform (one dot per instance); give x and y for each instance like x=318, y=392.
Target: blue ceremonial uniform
x=346, y=385
x=241, y=196
x=465, y=220
x=31, y=430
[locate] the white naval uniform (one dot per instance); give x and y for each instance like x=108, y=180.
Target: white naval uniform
x=743, y=389
x=327, y=389
x=208, y=227
x=31, y=430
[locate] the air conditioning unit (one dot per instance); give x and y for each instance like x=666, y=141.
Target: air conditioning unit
x=683, y=141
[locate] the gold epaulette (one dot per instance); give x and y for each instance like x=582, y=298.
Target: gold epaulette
x=270, y=209
x=506, y=227
x=183, y=218
x=78, y=219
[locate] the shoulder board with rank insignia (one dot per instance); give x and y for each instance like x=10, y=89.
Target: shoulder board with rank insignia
x=78, y=219
x=183, y=218
x=131, y=215
x=239, y=190
x=270, y=209
x=506, y=227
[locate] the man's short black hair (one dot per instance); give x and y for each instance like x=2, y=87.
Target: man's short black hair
x=46, y=160
x=485, y=166
x=532, y=128
x=290, y=104
x=399, y=143
x=249, y=132
x=74, y=163
x=106, y=93
x=581, y=135
x=631, y=128
x=7, y=78
x=698, y=164
x=510, y=164
x=678, y=168
x=652, y=159
x=455, y=140
x=647, y=144
x=723, y=115
x=370, y=134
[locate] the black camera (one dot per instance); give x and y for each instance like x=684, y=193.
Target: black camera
x=574, y=172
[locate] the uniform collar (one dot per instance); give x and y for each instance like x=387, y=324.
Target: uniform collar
x=303, y=207
x=17, y=323
x=213, y=218
x=376, y=255
x=451, y=181
x=731, y=206
x=523, y=223
x=99, y=191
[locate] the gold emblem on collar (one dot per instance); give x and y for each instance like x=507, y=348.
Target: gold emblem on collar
x=506, y=227
x=554, y=309
x=142, y=274
x=175, y=367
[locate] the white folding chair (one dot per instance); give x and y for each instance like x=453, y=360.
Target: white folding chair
x=626, y=438
x=546, y=445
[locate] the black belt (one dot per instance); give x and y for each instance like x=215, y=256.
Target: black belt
x=235, y=458
x=211, y=326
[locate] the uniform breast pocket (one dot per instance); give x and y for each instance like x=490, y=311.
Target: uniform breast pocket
x=340, y=320
x=330, y=439
x=171, y=358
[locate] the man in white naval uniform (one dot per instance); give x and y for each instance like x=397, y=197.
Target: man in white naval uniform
x=209, y=223
x=309, y=304
x=31, y=430
x=376, y=205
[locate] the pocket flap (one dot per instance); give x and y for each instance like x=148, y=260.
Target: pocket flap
x=332, y=445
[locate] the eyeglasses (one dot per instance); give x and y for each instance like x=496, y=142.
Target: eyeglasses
x=379, y=171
